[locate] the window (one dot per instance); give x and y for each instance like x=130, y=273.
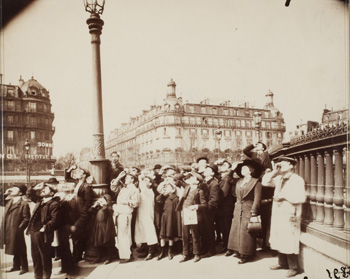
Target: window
x=193, y=132
x=242, y=123
x=203, y=110
x=178, y=131
x=227, y=133
x=268, y=125
x=10, y=135
x=191, y=109
x=225, y=111
x=198, y=121
x=186, y=120
x=192, y=120
x=210, y=121
x=238, y=133
x=248, y=124
x=216, y=122
x=10, y=118
x=10, y=149
x=268, y=135
x=215, y=111
x=11, y=105
x=205, y=133
x=31, y=106
x=279, y=135
x=32, y=135
x=238, y=123
x=248, y=133
x=221, y=121
x=262, y=124
x=164, y=132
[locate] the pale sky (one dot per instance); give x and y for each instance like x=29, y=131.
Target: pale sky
x=230, y=49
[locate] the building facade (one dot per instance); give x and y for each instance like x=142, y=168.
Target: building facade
x=26, y=115
x=178, y=133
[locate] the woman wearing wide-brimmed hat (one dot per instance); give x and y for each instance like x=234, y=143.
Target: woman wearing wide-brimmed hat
x=241, y=242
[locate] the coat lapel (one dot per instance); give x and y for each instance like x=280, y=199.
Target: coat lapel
x=8, y=206
x=250, y=185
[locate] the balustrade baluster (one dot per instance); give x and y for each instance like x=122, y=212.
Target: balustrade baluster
x=347, y=192
x=338, y=199
x=301, y=167
x=313, y=185
x=329, y=187
x=320, y=189
x=306, y=208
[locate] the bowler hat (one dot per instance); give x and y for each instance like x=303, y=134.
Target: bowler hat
x=288, y=159
x=256, y=173
x=53, y=180
x=157, y=167
x=22, y=188
x=203, y=158
x=263, y=144
x=214, y=168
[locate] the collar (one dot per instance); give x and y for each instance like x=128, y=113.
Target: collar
x=45, y=200
x=207, y=179
x=16, y=199
x=287, y=175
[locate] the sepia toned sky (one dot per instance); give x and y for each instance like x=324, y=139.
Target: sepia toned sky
x=227, y=49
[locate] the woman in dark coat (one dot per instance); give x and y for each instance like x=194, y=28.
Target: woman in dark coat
x=248, y=193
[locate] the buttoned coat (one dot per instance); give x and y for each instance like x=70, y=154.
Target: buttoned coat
x=227, y=200
x=248, y=201
x=16, y=219
x=50, y=218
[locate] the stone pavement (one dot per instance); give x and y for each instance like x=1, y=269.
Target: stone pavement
x=217, y=266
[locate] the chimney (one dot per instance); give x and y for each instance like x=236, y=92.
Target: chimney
x=20, y=81
x=269, y=99
x=171, y=89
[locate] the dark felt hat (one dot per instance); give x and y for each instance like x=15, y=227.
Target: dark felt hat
x=263, y=144
x=214, y=167
x=22, y=188
x=288, y=159
x=251, y=163
x=203, y=158
x=157, y=167
x=52, y=180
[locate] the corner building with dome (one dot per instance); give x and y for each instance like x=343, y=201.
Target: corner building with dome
x=178, y=132
x=26, y=114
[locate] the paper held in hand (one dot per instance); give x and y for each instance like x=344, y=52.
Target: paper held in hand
x=190, y=217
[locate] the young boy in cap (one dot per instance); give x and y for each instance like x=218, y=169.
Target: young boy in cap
x=193, y=199
x=288, y=198
x=16, y=219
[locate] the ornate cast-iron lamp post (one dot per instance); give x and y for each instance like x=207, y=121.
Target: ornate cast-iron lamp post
x=257, y=121
x=27, y=149
x=218, y=135
x=99, y=161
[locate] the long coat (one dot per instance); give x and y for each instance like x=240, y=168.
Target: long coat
x=49, y=216
x=145, y=231
x=170, y=225
x=286, y=214
x=248, y=201
x=227, y=200
x=16, y=219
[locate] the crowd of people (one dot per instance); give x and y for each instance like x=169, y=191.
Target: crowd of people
x=159, y=212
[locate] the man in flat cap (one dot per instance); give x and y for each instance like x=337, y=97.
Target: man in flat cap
x=288, y=198
x=16, y=219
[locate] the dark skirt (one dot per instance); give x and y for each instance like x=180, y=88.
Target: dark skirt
x=103, y=230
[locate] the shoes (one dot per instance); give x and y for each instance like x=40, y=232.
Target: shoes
x=107, y=261
x=208, y=255
x=122, y=261
x=12, y=269
x=291, y=273
x=56, y=259
x=229, y=253
x=243, y=260
x=149, y=257
x=23, y=271
x=170, y=253
x=222, y=250
x=162, y=254
x=197, y=258
x=236, y=255
x=184, y=259
x=61, y=272
x=277, y=266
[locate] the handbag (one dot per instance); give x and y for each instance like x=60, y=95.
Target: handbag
x=254, y=224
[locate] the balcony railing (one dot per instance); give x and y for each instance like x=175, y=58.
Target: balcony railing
x=323, y=161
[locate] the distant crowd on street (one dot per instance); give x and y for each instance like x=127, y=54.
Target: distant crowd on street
x=198, y=211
